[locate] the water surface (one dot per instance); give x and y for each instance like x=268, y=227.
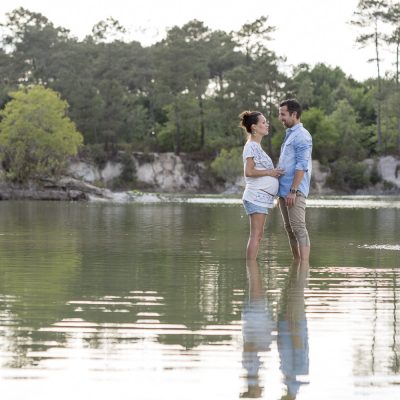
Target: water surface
x=155, y=301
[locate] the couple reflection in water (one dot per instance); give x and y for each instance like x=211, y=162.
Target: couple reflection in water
x=259, y=326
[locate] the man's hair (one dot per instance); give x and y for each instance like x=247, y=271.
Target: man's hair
x=292, y=105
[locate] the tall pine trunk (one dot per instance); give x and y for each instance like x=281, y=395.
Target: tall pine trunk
x=379, y=104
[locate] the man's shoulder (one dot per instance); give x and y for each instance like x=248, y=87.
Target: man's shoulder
x=303, y=133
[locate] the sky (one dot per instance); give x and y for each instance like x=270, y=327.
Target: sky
x=307, y=31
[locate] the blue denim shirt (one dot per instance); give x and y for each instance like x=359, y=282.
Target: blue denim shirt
x=295, y=155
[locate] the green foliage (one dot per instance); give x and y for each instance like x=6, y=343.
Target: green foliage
x=318, y=87
x=184, y=93
x=228, y=165
x=324, y=133
x=374, y=175
x=349, y=132
x=221, y=121
x=127, y=179
x=183, y=120
x=347, y=176
x=36, y=136
x=128, y=168
x=96, y=153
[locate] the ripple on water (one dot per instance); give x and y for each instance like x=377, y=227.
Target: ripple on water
x=394, y=247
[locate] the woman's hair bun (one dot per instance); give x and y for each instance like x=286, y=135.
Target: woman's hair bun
x=248, y=118
x=244, y=115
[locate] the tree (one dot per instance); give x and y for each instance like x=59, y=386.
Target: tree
x=182, y=68
x=325, y=136
x=253, y=36
x=228, y=165
x=222, y=58
x=351, y=137
x=6, y=84
x=197, y=38
x=108, y=30
x=256, y=82
x=36, y=136
x=33, y=40
x=370, y=14
x=301, y=86
x=393, y=18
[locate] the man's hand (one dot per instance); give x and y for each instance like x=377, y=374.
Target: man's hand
x=290, y=199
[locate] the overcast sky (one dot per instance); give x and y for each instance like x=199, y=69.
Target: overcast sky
x=309, y=31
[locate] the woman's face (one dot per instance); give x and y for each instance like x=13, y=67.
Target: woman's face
x=261, y=127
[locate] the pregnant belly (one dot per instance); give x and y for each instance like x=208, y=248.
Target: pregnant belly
x=269, y=184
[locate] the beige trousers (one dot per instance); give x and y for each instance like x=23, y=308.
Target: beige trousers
x=294, y=219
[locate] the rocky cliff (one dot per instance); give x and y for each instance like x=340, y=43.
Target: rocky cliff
x=161, y=172
x=169, y=173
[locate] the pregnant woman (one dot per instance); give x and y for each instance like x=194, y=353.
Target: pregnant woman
x=260, y=176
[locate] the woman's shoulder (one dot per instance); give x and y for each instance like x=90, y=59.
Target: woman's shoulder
x=250, y=144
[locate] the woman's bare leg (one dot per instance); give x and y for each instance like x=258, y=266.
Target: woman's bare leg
x=257, y=223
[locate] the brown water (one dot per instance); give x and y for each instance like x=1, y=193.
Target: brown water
x=155, y=301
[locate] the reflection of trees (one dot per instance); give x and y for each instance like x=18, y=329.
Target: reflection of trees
x=183, y=253
x=346, y=229
x=395, y=363
x=366, y=274
x=39, y=263
x=173, y=265
x=378, y=352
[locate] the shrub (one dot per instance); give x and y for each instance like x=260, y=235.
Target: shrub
x=228, y=165
x=347, y=176
x=374, y=175
x=36, y=136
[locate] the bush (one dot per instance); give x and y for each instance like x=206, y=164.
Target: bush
x=228, y=165
x=128, y=173
x=36, y=136
x=374, y=175
x=348, y=176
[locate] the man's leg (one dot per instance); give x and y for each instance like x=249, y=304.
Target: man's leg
x=297, y=220
x=291, y=236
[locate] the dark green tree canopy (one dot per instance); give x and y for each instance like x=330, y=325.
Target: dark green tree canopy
x=184, y=92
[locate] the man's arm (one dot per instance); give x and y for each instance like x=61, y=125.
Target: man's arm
x=303, y=153
x=291, y=197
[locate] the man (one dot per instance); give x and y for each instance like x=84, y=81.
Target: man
x=294, y=185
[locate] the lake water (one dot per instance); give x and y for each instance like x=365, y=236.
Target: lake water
x=155, y=302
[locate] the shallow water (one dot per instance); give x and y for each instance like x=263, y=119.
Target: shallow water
x=155, y=301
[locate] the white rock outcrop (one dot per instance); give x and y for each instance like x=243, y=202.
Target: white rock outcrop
x=389, y=169
x=85, y=171
x=167, y=172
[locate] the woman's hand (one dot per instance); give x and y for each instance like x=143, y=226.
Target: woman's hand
x=251, y=171
x=276, y=172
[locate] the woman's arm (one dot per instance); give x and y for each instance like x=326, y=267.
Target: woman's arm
x=251, y=172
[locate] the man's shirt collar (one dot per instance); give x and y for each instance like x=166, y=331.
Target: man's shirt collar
x=293, y=128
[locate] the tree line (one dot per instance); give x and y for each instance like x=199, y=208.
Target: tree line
x=184, y=93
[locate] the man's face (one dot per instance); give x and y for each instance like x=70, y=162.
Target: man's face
x=287, y=119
